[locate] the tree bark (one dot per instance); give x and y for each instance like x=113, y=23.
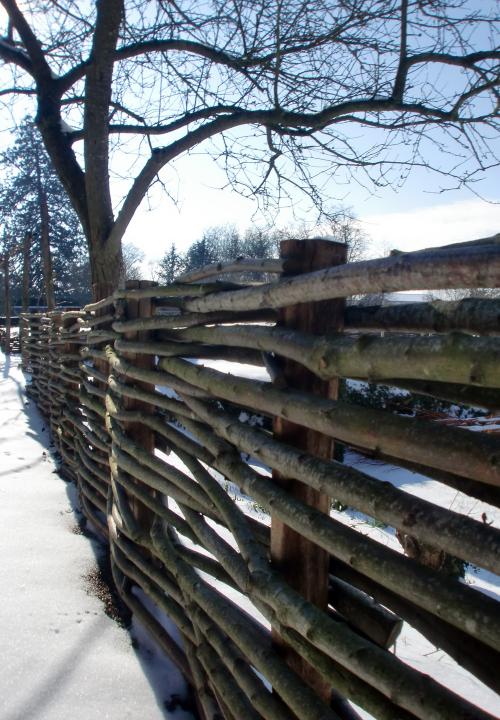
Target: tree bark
x=104, y=250
x=478, y=316
x=455, y=450
x=48, y=275
x=456, y=534
x=48, y=272
x=105, y=265
x=6, y=273
x=472, y=267
x=27, y=240
x=455, y=358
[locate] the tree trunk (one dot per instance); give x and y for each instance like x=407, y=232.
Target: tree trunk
x=104, y=248
x=48, y=274
x=106, y=266
x=6, y=271
x=25, y=301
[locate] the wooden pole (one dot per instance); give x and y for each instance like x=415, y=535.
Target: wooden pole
x=302, y=563
x=137, y=432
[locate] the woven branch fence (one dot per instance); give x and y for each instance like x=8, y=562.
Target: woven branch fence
x=288, y=619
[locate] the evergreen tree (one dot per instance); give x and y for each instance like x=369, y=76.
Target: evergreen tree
x=224, y=241
x=259, y=243
x=171, y=265
x=202, y=252
x=33, y=201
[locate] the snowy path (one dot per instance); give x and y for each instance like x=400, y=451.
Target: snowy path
x=60, y=655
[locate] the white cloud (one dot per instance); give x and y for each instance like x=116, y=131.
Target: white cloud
x=429, y=227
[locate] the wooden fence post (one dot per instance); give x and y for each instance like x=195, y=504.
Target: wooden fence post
x=54, y=368
x=302, y=563
x=70, y=381
x=140, y=434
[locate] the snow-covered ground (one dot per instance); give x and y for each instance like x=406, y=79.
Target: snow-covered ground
x=61, y=656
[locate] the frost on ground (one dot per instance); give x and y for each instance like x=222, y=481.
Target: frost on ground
x=62, y=656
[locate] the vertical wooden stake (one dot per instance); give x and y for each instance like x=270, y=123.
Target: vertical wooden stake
x=302, y=563
x=71, y=390
x=140, y=434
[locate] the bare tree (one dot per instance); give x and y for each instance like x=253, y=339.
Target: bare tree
x=341, y=226
x=132, y=258
x=346, y=228
x=282, y=93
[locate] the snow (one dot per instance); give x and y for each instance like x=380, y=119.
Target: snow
x=67, y=129
x=425, y=488
x=405, y=297
x=61, y=655
x=242, y=370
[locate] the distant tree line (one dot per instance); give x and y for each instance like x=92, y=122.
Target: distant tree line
x=223, y=243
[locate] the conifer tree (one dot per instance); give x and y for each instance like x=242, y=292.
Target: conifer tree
x=33, y=202
x=171, y=265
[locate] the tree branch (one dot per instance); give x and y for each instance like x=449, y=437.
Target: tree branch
x=37, y=65
x=465, y=61
x=17, y=91
x=12, y=54
x=400, y=81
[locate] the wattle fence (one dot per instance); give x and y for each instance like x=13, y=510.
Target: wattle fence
x=213, y=480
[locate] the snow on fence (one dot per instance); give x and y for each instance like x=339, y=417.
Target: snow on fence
x=149, y=395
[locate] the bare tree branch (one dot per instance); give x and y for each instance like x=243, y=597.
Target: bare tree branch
x=275, y=91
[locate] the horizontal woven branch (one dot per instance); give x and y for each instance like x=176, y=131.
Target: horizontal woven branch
x=451, y=449
x=473, y=315
x=454, y=533
x=471, y=268
x=454, y=358
x=264, y=265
